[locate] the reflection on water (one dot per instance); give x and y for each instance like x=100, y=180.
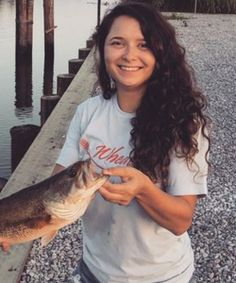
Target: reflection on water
x=48, y=72
x=24, y=113
x=25, y=78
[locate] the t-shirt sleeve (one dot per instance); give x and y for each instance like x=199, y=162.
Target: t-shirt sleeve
x=70, y=150
x=189, y=179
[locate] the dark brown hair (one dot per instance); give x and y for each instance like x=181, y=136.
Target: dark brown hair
x=171, y=111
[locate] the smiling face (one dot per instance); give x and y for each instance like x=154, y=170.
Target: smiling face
x=128, y=60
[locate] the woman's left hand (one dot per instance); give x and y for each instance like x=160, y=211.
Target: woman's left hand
x=133, y=182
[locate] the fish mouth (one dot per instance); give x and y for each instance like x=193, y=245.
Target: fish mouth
x=97, y=175
x=92, y=168
x=87, y=176
x=99, y=178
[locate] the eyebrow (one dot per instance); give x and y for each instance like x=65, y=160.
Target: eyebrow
x=122, y=38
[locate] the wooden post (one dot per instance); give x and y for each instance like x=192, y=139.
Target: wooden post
x=47, y=105
x=98, y=12
x=3, y=182
x=30, y=14
x=21, y=23
x=90, y=43
x=48, y=73
x=83, y=53
x=74, y=65
x=24, y=21
x=23, y=87
x=195, y=6
x=23, y=52
x=63, y=81
x=48, y=9
x=21, y=139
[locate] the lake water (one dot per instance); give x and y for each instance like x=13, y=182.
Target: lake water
x=75, y=21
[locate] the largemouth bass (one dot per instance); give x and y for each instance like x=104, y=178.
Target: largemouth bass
x=42, y=209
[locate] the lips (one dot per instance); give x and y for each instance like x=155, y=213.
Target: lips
x=130, y=68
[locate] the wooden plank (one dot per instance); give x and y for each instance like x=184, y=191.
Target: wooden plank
x=39, y=161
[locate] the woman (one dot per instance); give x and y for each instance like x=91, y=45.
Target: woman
x=148, y=132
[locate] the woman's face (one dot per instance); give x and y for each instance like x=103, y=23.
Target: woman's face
x=128, y=60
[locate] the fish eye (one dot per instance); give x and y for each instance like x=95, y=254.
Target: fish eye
x=72, y=172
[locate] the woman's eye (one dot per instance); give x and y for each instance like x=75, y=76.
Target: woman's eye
x=143, y=45
x=116, y=43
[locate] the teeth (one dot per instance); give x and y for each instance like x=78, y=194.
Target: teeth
x=131, y=69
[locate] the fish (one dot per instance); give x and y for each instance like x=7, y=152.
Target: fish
x=40, y=210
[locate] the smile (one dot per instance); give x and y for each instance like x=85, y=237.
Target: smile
x=129, y=68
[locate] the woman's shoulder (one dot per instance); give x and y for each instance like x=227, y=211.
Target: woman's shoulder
x=93, y=102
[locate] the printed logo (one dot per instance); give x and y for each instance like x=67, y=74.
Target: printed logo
x=103, y=152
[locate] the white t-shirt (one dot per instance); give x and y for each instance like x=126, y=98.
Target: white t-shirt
x=123, y=243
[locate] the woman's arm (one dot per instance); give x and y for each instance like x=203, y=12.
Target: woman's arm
x=171, y=212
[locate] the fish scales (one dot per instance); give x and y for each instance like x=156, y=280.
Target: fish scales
x=43, y=208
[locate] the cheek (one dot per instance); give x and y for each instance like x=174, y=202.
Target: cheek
x=111, y=55
x=110, y=63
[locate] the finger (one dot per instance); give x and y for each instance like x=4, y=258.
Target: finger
x=110, y=196
x=116, y=188
x=123, y=172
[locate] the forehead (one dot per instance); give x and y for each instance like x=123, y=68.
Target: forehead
x=125, y=26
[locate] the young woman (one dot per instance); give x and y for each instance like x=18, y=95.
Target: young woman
x=148, y=132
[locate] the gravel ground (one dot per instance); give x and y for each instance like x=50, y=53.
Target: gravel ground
x=210, y=41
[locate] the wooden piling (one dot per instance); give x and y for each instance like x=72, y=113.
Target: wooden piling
x=48, y=10
x=30, y=14
x=21, y=139
x=24, y=21
x=90, y=43
x=84, y=52
x=74, y=65
x=195, y=6
x=47, y=105
x=98, y=12
x=48, y=72
x=23, y=52
x=3, y=182
x=23, y=79
x=63, y=81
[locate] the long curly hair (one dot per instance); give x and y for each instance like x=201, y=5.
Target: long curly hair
x=171, y=111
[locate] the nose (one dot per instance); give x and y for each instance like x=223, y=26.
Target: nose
x=130, y=53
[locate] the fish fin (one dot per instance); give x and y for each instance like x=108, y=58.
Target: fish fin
x=38, y=222
x=48, y=237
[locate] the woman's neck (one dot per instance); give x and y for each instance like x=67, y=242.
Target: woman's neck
x=129, y=100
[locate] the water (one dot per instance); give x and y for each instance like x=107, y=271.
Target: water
x=75, y=21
